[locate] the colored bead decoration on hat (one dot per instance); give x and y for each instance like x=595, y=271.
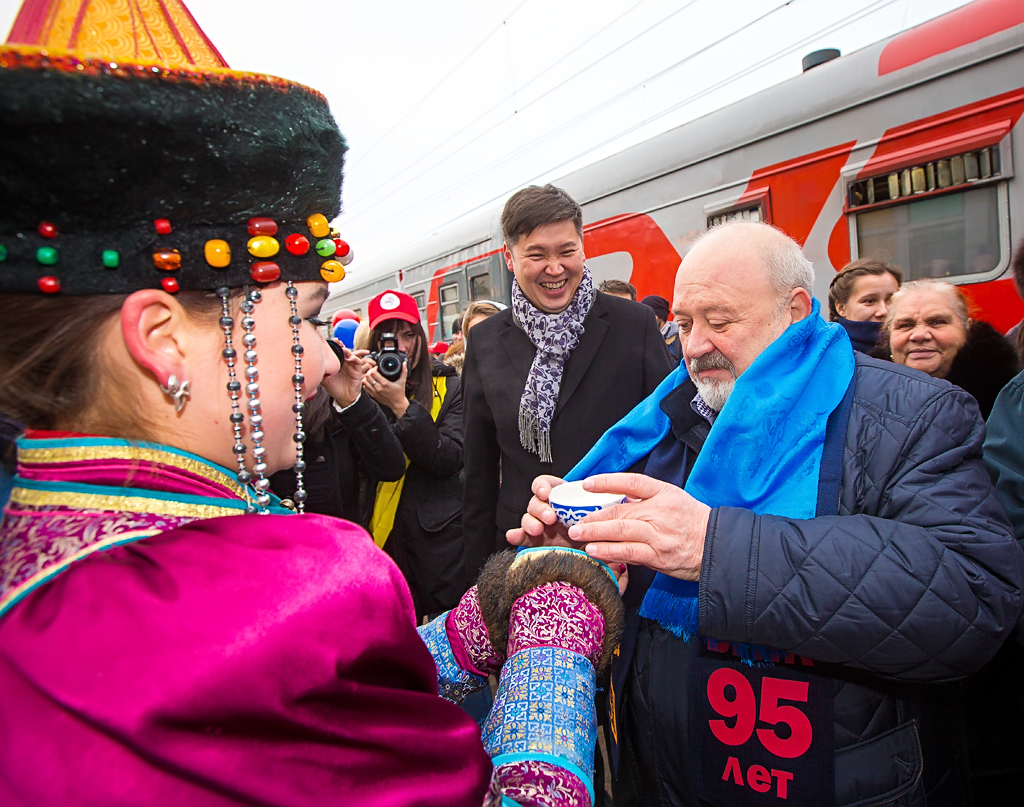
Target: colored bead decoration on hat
x=325, y=247
x=48, y=230
x=163, y=226
x=48, y=284
x=318, y=225
x=167, y=260
x=262, y=226
x=217, y=252
x=265, y=271
x=170, y=285
x=332, y=271
x=3, y=253
x=47, y=256
x=297, y=244
x=341, y=248
x=348, y=257
x=111, y=258
x=263, y=246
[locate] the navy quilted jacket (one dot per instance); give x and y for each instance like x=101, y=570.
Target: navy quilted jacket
x=912, y=587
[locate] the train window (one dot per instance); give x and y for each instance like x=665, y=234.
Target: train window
x=928, y=177
x=480, y=287
x=937, y=236
x=450, y=310
x=749, y=213
x=420, y=298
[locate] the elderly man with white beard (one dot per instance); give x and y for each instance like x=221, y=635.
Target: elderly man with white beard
x=815, y=554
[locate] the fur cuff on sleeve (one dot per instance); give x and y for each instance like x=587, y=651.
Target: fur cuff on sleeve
x=507, y=576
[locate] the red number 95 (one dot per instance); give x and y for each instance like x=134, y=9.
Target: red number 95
x=743, y=707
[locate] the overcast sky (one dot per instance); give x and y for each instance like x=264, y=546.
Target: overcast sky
x=451, y=105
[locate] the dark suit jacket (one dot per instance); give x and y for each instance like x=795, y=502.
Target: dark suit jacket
x=619, y=361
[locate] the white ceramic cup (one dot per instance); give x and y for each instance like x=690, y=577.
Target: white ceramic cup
x=571, y=502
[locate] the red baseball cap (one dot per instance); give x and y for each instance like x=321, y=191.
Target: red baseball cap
x=393, y=305
x=439, y=347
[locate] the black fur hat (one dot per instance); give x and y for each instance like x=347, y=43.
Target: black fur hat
x=118, y=175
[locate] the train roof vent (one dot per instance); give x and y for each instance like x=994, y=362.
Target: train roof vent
x=817, y=57
x=932, y=177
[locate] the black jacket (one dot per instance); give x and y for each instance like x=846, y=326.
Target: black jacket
x=618, y=362
x=984, y=365
x=910, y=588
x=355, y=444
x=426, y=540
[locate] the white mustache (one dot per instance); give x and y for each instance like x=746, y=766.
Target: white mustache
x=710, y=361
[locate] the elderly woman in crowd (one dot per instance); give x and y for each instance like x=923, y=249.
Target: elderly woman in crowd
x=929, y=328
x=170, y=633
x=858, y=299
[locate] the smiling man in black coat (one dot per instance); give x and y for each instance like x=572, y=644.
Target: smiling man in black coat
x=545, y=378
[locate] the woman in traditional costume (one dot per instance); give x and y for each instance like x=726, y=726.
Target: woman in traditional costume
x=169, y=633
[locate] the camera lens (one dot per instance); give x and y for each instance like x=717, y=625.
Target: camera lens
x=390, y=366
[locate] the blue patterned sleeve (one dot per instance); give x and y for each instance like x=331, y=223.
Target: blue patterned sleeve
x=542, y=729
x=453, y=682
x=544, y=725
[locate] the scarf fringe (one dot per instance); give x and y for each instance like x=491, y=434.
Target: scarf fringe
x=677, y=612
x=753, y=655
x=673, y=604
x=533, y=436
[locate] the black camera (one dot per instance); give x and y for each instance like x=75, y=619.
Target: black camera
x=389, y=358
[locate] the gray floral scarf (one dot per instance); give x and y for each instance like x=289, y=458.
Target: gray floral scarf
x=555, y=336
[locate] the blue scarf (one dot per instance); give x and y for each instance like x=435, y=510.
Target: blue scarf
x=763, y=453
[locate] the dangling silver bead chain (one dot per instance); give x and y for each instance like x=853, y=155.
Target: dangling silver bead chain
x=227, y=322
x=252, y=390
x=299, y=407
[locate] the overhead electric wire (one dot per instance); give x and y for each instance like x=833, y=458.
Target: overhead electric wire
x=723, y=83
x=830, y=28
x=443, y=79
x=508, y=157
x=381, y=187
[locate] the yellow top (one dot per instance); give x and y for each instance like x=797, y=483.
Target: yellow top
x=152, y=31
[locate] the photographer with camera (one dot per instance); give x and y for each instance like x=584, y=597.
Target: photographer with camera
x=418, y=519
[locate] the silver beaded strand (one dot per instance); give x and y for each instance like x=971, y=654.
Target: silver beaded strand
x=227, y=322
x=252, y=389
x=299, y=407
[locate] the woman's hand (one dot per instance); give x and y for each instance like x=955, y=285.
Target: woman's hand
x=387, y=393
x=344, y=385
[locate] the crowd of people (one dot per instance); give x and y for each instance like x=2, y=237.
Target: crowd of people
x=241, y=563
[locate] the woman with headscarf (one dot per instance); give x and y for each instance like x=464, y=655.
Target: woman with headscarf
x=169, y=632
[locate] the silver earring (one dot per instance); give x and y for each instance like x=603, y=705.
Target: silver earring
x=178, y=391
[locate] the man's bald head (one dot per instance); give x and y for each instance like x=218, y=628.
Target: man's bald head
x=779, y=255
x=738, y=288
